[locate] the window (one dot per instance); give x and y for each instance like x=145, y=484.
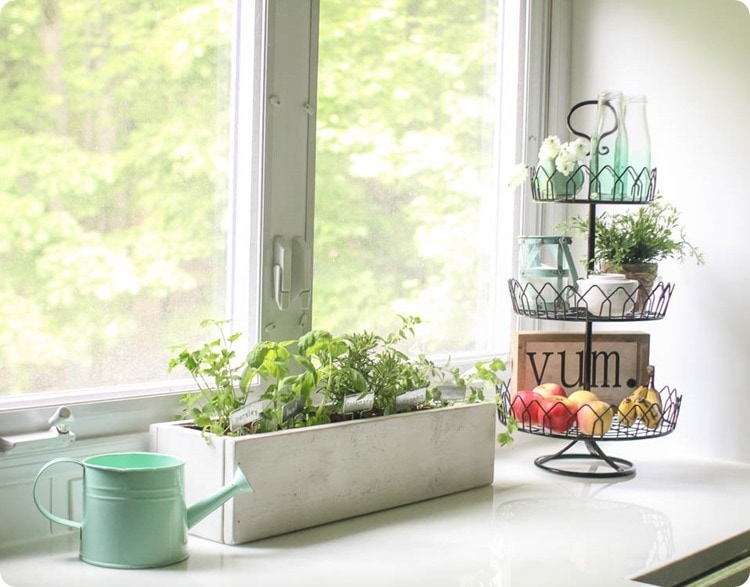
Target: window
x=151, y=160
x=408, y=216
x=117, y=176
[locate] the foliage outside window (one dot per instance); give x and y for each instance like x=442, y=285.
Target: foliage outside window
x=406, y=160
x=114, y=155
x=116, y=164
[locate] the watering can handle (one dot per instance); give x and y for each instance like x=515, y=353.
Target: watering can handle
x=48, y=514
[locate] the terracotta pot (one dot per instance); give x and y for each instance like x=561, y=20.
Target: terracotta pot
x=644, y=273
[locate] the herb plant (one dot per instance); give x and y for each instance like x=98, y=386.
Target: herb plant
x=366, y=363
x=272, y=363
x=392, y=372
x=216, y=377
x=648, y=234
x=314, y=375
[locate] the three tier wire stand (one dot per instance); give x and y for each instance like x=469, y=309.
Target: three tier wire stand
x=632, y=187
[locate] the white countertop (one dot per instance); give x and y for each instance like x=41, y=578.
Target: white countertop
x=530, y=528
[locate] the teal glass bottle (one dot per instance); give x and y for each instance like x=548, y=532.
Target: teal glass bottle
x=639, y=147
x=609, y=148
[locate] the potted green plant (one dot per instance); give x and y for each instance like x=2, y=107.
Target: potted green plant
x=319, y=426
x=634, y=242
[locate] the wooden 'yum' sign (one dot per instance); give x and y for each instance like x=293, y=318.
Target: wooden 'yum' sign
x=618, y=361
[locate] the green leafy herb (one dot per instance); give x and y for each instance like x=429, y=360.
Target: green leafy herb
x=647, y=234
x=511, y=427
x=217, y=378
x=316, y=378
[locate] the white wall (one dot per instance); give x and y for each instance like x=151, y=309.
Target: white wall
x=691, y=58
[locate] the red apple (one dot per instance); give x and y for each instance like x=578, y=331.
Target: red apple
x=550, y=390
x=558, y=414
x=525, y=407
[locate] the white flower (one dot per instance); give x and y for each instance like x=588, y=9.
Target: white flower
x=520, y=172
x=551, y=147
x=566, y=157
x=553, y=153
x=565, y=163
x=577, y=150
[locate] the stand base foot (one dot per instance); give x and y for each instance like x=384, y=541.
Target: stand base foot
x=617, y=467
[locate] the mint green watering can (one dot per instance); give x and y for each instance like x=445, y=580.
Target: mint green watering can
x=134, y=513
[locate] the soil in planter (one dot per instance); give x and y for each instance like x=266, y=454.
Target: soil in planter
x=334, y=418
x=369, y=414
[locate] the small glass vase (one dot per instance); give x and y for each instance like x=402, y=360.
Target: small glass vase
x=546, y=270
x=555, y=185
x=639, y=148
x=609, y=148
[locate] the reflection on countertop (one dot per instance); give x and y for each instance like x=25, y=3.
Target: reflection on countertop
x=530, y=528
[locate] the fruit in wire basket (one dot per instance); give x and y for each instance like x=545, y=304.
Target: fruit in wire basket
x=640, y=392
x=550, y=390
x=647, y=393
x=653, y=397
x=632, y=409
x=651, y=413
x=651, y=394
x=581, y=396
x=524, y=405
x=643, y=404
x=558, y=414
x=594, y=418
x=628, y=412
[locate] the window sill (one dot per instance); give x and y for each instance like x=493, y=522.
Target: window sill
x=486, y=536
x=95, y=416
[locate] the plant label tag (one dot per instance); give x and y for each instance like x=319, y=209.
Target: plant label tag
x=247, y=414
x=411, y=398
x=452, y=393
x=292, y=408
x=358, y=403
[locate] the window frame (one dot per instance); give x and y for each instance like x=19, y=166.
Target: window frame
x=259, y=142
x=105, y=412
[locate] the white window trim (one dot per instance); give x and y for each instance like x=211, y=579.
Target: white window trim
x=289, y=169
x=547, y=99
x=249, y=109
x=101, y=415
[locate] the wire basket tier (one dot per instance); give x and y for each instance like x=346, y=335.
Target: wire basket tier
x=570, y=304
x=628, y=424
x=606, y=186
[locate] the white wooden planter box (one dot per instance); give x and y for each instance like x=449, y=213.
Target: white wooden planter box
x=311, y=476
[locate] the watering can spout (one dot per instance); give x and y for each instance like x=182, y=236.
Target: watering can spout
x=201, y=509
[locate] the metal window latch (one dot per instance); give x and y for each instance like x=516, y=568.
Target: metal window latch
x=291, y=272
x=301, y=274
x=282, y=273
x=58, y=433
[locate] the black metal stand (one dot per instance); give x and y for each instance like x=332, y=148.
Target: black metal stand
x=618, y=467
x=630, y=186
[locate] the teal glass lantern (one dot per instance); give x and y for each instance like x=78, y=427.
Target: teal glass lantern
x=545, y=269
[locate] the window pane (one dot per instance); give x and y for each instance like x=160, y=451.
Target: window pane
x=406, y=213
x=114, y=158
